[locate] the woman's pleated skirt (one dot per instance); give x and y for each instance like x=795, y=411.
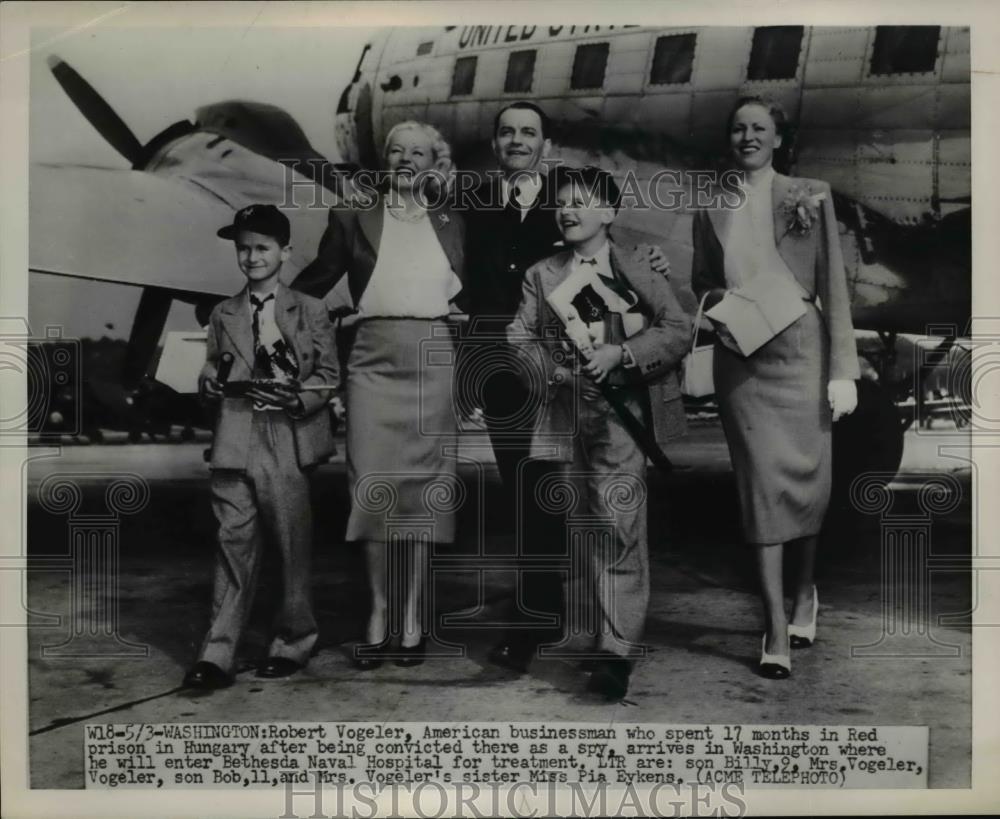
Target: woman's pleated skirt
x=401, y=431
x=776, y=417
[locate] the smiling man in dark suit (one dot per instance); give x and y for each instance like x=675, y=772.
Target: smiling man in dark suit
x=509, y=230
x=512, y=227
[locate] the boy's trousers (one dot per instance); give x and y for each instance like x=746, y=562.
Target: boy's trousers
x=609, y=470
x=268, y=502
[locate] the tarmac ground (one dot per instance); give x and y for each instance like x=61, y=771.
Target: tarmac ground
x=871, y=664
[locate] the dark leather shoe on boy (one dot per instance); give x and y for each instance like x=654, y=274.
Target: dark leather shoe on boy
x=274, y=668
x=512, y=654
x=610, y=677
x=410, y=656
x=206, y=676
x=366, y=657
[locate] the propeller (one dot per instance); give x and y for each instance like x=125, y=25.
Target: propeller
x=263, y=129
x=96, y=111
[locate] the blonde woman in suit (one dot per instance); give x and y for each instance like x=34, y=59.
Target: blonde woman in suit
x=778, y=404
x=404, y=263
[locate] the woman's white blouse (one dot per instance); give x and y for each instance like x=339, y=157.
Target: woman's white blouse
x=749, y=248
x=412, y=275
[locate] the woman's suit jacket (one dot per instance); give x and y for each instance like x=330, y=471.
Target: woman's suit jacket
x=350, y=245
x=814, y=258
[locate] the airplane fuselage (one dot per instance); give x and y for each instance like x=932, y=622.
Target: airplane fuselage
x=882, y=114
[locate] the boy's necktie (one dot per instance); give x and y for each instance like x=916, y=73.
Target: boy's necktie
x=260, y=355
x=258, y=305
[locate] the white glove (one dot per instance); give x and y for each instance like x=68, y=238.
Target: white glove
x=843, y=397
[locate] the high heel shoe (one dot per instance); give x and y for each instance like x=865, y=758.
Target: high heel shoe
x=804, y=636
x=774, y=666
x=411, y=655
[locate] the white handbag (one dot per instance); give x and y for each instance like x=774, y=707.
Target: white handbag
x=697, y=381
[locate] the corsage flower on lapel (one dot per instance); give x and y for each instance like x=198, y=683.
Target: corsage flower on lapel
x=801, y=209
x=443, y=218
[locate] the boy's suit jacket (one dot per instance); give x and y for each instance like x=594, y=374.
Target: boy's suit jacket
x=658, y=349
x=815, y=260
x=350, y=245
x=304, y=325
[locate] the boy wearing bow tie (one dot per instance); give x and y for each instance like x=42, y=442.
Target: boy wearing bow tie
x=267, y=436
x=627, y=329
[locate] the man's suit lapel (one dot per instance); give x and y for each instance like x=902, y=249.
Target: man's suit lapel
x=235, y=314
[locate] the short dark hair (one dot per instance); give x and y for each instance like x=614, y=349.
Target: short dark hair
x=524, y=105
x=773, y=108
x=596, y=181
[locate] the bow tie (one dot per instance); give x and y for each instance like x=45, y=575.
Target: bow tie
x=590, y=261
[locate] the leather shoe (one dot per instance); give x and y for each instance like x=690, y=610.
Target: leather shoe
x=274, y=668
x=367, y=661
x=512, y=655
x=411, y=655
x=206, y=676
x=610, y=677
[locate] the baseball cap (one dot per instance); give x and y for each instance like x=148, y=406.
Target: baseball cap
x=266, y=219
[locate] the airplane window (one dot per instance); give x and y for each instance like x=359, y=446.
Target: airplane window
x=520, y=72
x=589, y=65
x=425, y=48
x=905, y=49
x=464, y=77
x=774, y=54
x=673, y=59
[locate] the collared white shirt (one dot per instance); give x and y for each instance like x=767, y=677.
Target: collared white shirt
x=528, y=187
x=602, y=257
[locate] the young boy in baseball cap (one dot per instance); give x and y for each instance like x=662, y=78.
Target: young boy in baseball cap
x=267, y=436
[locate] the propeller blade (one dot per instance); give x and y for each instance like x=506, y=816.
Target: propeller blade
x=97, y=112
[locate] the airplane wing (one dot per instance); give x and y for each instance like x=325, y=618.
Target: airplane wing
x=154, y=230
x=128, y=227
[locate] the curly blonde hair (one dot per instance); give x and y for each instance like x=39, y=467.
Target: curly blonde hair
x=439, y=145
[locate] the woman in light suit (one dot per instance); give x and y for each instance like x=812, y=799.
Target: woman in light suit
x=777, y=405
x=404, y=262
